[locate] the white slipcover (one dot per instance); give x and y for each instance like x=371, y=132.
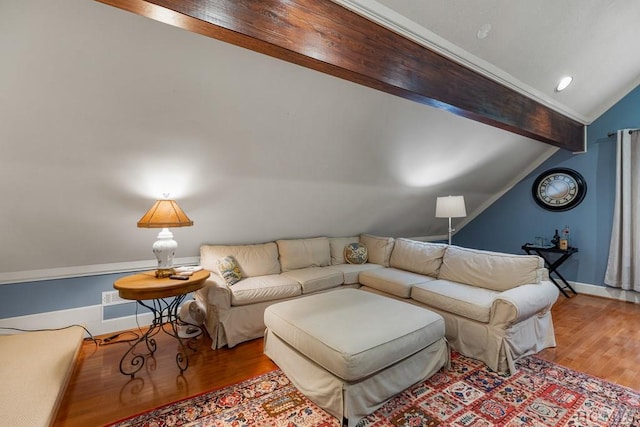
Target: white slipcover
x=351, y=371
x=491, y=270
x=304, y=253
x=393, y=281
x=417, y=257
x=337, y=245
x=352, y=333
x=378, y=248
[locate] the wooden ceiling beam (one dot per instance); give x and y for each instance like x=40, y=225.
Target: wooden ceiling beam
x=326, y=37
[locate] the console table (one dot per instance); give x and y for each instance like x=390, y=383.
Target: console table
x=546, y=253
x=162, y=297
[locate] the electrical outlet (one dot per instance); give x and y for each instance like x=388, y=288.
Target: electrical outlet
x=112, y=298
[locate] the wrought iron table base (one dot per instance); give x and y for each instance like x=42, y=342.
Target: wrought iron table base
x=165, y=312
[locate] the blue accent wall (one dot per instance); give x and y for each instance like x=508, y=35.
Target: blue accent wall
x=516, y=219
x=21, y=299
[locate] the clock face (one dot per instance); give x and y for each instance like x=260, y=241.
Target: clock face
x=559, y=189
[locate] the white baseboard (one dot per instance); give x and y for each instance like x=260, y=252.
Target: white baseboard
x=606, y=292
x=90, y=317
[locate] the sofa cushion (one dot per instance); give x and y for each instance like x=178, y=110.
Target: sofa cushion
x=315, y=279
x=351, y=272
x=382, y=331
x=490, y=270
x=378, y=248
x=304, y=253
x=264, y=288
x=337, y=245
x=393, y=281
x=467, y=301
x=356, y=253
x=229, y=270
x=418, y=257
x=253, y=260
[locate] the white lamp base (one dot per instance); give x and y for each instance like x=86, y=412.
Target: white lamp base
x=165, y=249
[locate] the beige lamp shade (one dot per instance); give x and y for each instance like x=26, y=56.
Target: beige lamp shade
x=450, y=207
x=165, y=214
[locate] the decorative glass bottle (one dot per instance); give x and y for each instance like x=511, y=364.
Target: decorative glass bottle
x=564, y=240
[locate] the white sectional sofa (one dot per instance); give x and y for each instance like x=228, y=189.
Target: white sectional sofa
x=272, y=272
x=496, y=306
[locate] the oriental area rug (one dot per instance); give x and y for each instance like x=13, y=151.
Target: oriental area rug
x=540, y=394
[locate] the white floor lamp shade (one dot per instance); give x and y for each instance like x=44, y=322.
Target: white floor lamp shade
x=450, y=207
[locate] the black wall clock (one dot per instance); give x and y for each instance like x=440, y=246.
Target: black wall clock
x=559, y=189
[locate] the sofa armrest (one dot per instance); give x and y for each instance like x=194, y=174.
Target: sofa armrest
x=216, y=292
x=522, y=302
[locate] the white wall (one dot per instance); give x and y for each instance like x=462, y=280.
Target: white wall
x=103, y=111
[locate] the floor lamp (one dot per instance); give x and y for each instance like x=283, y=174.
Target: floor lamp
x=450, y=207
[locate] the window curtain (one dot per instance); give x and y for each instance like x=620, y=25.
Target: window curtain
x=623, y=267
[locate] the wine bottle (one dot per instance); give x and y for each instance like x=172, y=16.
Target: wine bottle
x=556, y=240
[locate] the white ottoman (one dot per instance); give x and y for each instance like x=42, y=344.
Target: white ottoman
x=349, y=350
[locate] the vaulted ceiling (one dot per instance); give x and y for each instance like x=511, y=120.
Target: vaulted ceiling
x=530, y=45
x=104, y=111
x=326, y=37
x=525, y=47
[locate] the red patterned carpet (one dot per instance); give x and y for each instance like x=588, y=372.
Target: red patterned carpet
x=541, y=393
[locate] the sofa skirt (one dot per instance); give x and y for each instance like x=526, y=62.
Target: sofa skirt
x=357, y=399
x=499, y=348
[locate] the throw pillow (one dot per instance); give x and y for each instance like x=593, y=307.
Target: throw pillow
x=229, y=270
x=379, y=248
x=356, y=253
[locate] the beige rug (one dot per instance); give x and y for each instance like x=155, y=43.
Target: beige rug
x=35, y=368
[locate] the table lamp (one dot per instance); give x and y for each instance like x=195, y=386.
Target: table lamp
x=164, y=214
x=450, y=207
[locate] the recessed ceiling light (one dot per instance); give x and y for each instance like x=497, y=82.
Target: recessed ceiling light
x=564, y=82
x=483, y=32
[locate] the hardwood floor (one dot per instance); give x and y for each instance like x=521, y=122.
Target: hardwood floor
x=99, y=394
x=594, y=335
x=598, y=336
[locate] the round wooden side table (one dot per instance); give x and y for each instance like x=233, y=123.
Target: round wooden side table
x=162, y=297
